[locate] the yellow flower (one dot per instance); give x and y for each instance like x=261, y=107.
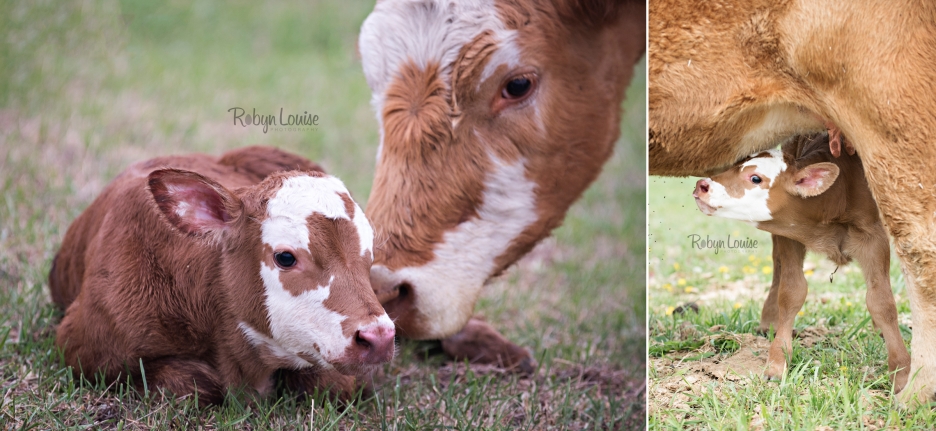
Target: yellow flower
x=722, y=269
x=767, y=269
x=676, y=266
x=808, y=272
x=748, y=270
x=668, y=287
x=669, y=310
x=801, y=313
x=843, y=368
x=681, y=282
x=751, y=257
x=737, y=305
x=848, y=303
x=689, y=289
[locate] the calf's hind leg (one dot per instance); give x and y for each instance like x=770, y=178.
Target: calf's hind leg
x=791, y=294
x=874, y=258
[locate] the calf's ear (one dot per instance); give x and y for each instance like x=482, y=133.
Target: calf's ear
x=191, y=202
x=815, y=179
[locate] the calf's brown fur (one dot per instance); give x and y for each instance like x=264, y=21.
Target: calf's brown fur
x=840, y=221
x=145, y=284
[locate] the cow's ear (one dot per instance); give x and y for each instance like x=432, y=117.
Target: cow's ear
x=815, y=179
x=193, y=203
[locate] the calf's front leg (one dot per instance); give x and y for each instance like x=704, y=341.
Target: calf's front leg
x=770, y=314
x=791, y=294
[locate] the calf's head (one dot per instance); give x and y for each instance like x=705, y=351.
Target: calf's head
x=763, y=187
x=295, y=255
x=494, y=117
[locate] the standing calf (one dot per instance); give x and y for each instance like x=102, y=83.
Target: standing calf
x=213, y=274
x=808, y=199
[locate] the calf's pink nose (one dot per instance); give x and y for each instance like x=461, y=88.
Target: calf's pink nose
x=375, y=343
x=701, y=188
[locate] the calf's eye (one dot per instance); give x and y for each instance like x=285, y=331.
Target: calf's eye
x=284, y=259
x=755, y=179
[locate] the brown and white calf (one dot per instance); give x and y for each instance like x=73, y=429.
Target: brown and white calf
x=734, y=77
x=494, y=116
x=213, y=274
x=809, y=200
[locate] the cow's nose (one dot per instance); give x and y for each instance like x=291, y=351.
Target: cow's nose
x=375, y=343
x=701, y=188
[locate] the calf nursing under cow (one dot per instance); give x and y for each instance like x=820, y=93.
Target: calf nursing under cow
x=212, y=274
x=809, y=200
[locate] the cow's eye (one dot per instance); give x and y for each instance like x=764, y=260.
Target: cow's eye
x=517, y=87
x=284, y=259
x=755, y=179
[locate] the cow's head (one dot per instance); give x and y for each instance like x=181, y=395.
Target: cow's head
x=494, y=117
x=295, y=260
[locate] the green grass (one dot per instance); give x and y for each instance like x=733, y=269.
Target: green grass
x=837, y=376
x=87, y=88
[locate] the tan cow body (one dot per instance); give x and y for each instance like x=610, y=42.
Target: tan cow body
x=731, y=78
x=212, y=274
x=810, y=200
x=495, y=116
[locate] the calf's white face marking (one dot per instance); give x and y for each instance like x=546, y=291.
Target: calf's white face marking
x=301, y=325
x=751, y=206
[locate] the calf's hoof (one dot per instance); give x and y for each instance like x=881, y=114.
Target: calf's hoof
x=479, y=343
x=774, y=371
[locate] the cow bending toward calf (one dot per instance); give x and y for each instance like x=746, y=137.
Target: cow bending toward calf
x=494, y=117
x=809, y=200
x=212, y=274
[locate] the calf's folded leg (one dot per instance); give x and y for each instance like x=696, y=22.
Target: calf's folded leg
x=185, y=377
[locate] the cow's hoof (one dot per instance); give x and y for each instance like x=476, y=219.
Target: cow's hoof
x=479, y=343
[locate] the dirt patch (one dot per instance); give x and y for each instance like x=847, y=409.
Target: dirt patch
x=680, y=377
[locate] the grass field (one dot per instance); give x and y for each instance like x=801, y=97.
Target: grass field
x=86, y=88
x=705, y=366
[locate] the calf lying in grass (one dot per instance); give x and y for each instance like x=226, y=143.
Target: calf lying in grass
x=808, y=199
x=210, y=274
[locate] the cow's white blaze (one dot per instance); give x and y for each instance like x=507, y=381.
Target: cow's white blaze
x=448, y=285
x=752, y=206
x=425, y=32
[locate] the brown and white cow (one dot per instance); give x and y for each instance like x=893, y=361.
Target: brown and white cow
x=809, y=200
x=734, y=77
x=494, y=116
x=211, y=274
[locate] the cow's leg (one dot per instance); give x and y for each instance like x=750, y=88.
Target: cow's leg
x=184, y=377
x=308, y=382
x=900, y=177
x=790, y=298
x=874, y=259
x=479, y=342
x=770, y=313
